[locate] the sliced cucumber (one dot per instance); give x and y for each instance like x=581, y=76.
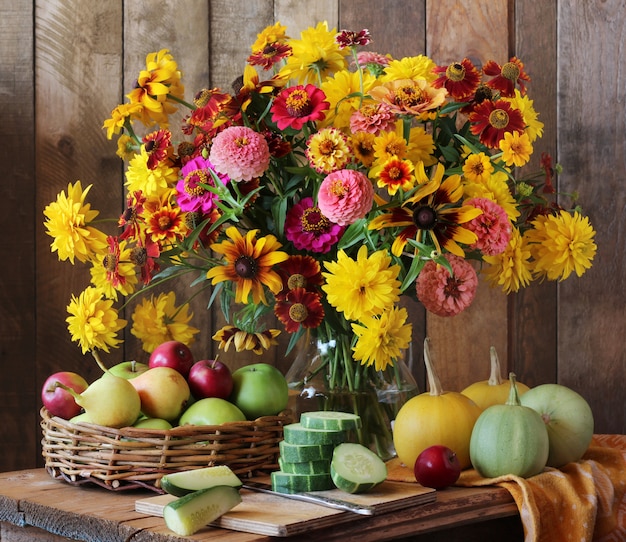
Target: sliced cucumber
x=355, y=468
x=304, y=467
x=297, y=453
x=296, y=433
x=287, y=482
x=330, y=420
x=190, y=513
x=184, y=482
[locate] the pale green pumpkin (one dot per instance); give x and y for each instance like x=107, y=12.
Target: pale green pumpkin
x=509, y=439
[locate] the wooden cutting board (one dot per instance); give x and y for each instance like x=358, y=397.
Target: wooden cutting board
x=273, y=515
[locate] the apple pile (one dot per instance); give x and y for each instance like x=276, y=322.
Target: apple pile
x=171, y=389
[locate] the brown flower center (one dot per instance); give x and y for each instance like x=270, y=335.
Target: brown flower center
x=455, y=72
x=298, y=312
x=297, y=280
x=139, y=256
x=510, y=71
x=424, y=217
x=245, y=267
x=499, y=119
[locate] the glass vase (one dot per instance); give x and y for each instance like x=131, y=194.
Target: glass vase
x=319, y=380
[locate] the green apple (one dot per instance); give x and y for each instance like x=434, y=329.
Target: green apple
x=128, y=369
x=211, y=411
x=259, y=390
x=152, y=423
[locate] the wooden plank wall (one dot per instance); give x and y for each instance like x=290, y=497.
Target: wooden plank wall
x=64, y=64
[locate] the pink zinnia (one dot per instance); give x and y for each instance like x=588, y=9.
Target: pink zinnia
x=444, y=294
x=373, y=118
x=308, y=229
x=191, y=194
x=493, y=227
x=240, y=152
x=368, y=58
x=295, y=106
x=345, y=196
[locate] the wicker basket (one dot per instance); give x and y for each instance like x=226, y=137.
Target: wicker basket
x=131, y=458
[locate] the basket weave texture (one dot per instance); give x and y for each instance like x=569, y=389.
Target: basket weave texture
x=131, y=458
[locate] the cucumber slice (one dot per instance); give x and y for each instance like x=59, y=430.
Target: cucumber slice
x=190, y=513
x=184, y=482
x=296, y=433
x=297, y=453
x=287, y=482
x=304, y=467
x=355, y=468
x=330, y=420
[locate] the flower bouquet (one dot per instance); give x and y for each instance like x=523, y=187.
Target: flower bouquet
x=329, y=182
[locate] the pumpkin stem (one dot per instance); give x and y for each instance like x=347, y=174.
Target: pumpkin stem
x=513, y=399
x=434, y=383
x=495, y=378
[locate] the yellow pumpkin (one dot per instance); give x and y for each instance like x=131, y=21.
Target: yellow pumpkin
x=436, y=417
x=494, y=391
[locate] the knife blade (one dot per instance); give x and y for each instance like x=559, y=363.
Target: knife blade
x=322, y=500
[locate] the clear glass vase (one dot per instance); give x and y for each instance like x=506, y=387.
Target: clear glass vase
x=319, y=380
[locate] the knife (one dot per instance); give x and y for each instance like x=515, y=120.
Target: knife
x=330, y=502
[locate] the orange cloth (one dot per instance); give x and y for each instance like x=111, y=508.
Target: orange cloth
x=583, y=501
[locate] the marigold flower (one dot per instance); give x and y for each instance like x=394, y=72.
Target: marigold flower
x=159, y=319
x=561, y=244
x=240, y=152
x=446, y=294
x=382, y=339
x=327, y=150
x=345, y=196
x=93, y=322
x=295, y=106
x=308, y=229
x=68, y=222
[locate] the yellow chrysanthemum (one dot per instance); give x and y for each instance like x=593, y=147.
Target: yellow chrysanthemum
x=67, y=222
x=477, y=168
x=496, y=189
x=315, y=56
x=516, y=148
x=269, y=35
x=93, y=322
x=337, y=89
x=389, y=145
x=421, y=146
x=249, y=265
x=120, y=115
x=561, y=244
x=158, y=319
x=152, y=182
x=534, y=127
x=511, y=269
x=412, y=67
x=124, y=271
x=362, y=287
x=381, y=339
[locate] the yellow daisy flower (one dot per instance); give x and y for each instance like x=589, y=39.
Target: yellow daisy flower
x=412, y=67
x=561, y=244
x=152, y=182
x=93, y=322
x=516, y=149
x=477, y=168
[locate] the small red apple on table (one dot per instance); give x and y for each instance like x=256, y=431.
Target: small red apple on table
x=210, y=378
x=59, y=402
x=437, y=467
x=173, y=354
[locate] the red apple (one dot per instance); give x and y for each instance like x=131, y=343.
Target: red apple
x=173, y=354
x=437, y=467
x=58, y=401
x=210, y=378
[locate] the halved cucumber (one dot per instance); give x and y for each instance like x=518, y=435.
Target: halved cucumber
x=355, y=468
x=296, y=433
x=297, y=453
x=304, y=467
x=287, y=482
x=190, y=513
x=184, y=482
x=331, y=420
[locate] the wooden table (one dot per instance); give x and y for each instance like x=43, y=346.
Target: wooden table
x=37, y=508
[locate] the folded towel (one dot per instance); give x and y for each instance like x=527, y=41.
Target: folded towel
x=582, y=501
